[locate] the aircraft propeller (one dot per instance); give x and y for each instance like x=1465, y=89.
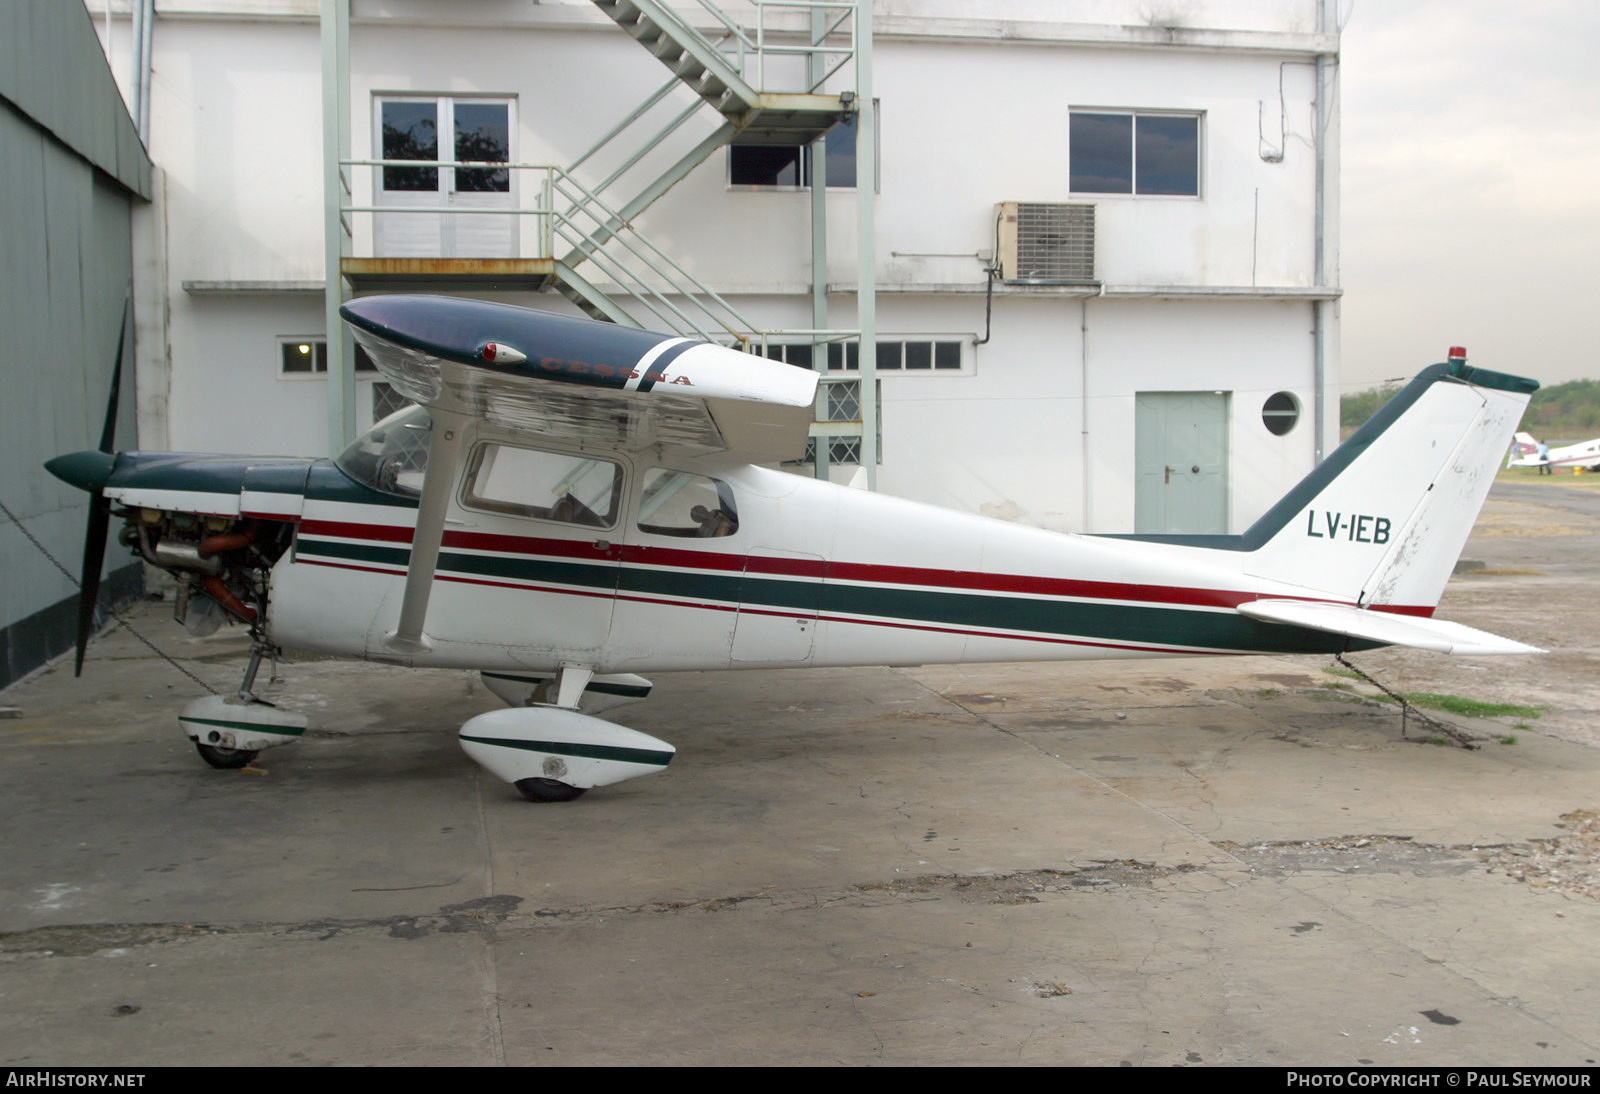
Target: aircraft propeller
x=92, y=475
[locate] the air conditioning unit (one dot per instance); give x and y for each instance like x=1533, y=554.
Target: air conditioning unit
x=1041, y=243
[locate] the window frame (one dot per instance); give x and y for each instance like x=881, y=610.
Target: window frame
x=726, y=503
x=848, y=355
x=477, y=503
x=1272, y=411
x=365, y=369
x=804, y=186
x=1134, y=115
x=444, y=103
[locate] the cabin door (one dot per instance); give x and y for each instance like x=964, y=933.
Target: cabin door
x=1181, y=462
x=529, y=563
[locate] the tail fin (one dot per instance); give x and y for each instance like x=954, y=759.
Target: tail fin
x=1524, y=448
x=1381, y=522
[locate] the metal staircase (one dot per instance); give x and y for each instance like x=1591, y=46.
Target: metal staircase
x=736, y=76
x=782, y=74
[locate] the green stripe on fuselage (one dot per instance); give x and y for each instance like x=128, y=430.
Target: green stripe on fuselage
x=1123, y=624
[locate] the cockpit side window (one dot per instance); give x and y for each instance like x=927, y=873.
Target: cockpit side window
x=680, y=503
x=559, y=486
x=393, y=454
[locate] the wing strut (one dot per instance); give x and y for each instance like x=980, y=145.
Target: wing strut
x=438, y=481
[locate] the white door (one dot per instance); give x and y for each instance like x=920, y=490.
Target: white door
x=1181, y=462
x=442, y=128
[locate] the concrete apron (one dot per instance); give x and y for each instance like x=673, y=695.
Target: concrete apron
x=1217, y=861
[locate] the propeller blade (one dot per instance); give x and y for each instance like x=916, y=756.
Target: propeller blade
x=94, y=536
x=94, y=554
x=108, y=432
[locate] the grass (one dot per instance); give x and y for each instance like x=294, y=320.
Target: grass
x=1563, y=477
x=1335, y=670
x=1467, y=708
x=1337, y=696
x=1508, y=739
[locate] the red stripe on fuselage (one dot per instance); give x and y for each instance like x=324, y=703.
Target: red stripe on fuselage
x=814, y=569
x=1011, y=636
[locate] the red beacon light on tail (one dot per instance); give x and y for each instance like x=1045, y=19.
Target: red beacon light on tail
x=1458, y=353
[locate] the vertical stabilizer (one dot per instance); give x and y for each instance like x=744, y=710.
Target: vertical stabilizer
x=1382, y=521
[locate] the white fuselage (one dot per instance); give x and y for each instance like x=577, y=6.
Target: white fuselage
x=816, y=574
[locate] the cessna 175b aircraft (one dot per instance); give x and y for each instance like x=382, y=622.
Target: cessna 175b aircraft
x=570, y=503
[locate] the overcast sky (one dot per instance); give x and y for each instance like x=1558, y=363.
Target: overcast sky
x=1471, y=187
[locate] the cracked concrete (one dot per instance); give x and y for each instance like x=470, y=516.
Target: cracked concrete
x=1207, y=862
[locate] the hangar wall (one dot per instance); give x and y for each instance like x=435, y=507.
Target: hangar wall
x=71, y=167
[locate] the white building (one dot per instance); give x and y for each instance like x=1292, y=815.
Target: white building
x=1166, y=378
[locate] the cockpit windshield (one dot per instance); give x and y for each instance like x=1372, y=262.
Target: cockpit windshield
x=392, y=455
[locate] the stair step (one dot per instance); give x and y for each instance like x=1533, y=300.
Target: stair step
x=624, y=15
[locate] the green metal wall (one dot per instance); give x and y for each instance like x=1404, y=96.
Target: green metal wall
x=68, y=180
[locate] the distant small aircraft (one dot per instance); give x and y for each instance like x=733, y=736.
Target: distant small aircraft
x=1526, y=451
x=571, y=503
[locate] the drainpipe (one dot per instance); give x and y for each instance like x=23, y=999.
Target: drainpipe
x=816, y=72
x=144, y=17
x=1319, y=308
x=335, y=18
x=866, y=277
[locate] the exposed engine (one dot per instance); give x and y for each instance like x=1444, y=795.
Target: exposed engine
x=221, y=564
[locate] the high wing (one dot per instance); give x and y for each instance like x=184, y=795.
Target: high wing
x=575, y=380
x=599, y=385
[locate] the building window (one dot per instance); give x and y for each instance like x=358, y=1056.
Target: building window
x=410, y=132
x=788, y=167
x=1135, y=153
x=386, y=400
x=1280, y=413
x=915, y=356
x=918, y=355
x=473, y=131
x=844, y=405
x=309, y=357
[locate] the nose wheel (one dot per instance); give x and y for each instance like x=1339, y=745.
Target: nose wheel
x=229, y=731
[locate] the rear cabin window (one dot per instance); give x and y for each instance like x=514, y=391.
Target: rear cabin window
x=679, y=503
x=558, y=486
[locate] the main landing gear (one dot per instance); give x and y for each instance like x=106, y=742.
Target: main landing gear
x=548, y=746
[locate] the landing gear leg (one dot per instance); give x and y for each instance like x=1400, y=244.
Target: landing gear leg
x=230, y=731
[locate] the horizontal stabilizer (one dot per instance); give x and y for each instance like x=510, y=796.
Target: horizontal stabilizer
x=1385, y=627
